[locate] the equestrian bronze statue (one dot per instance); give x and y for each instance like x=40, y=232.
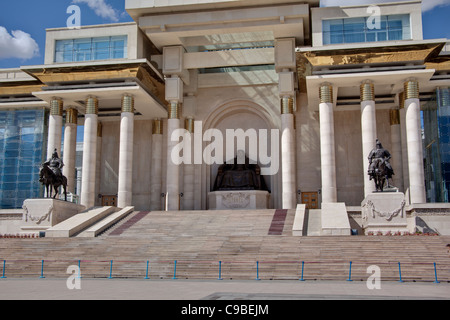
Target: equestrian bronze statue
x=380, y=169
x=50, y=175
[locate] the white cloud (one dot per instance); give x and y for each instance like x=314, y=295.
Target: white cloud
x=101, y=8
x=18, y=44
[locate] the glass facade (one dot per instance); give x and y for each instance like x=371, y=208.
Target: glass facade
x=351, y=30
x=22, y=146
x=436, y=124
x=89, y=49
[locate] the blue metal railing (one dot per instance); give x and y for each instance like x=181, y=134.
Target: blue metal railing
x=233, y=269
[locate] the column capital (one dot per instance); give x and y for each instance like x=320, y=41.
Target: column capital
x=189, y=124
x=287, y=105
x=401, y=100
x=367, y=91
x=127, y=103
x=411, y=89
x=174, y=110
x=157, y=127
x=71, y=116
x=91, y=105
x=56, y=106
x=326, y=93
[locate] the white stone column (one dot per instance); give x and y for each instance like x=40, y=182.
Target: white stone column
x=414, y=139
x=327, y=145
x=404, y=142
x=396, y=150
x=156, y=168
x=70, y=148
x=368, y=130
x=173, y=169
x=55, y=124
x=89, y=153
x=289, y=194
x=125, y=190
x=98, y=169
x=189, y=171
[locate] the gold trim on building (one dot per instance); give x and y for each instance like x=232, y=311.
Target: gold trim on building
x=72, y=116
x=99, y=129
x=157, y=127
x=411, y=89
x=189, y=125
x=367, y=91
x=56, y=107
x=394, y=116
x=287, y=105
x=128, y=103
x=174, y=110
x=401, y=100
x=373, y=55
x=326, y=93
x=6, y=90
x=91, y=105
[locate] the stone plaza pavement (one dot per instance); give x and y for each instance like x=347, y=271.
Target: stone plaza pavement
x=125, y=289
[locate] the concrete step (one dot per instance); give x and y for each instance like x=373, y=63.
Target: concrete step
x=199, y=240
x=79, y=222
x=106, y=223
x=314, y=222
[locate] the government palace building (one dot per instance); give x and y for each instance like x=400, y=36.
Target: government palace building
x=232, y=104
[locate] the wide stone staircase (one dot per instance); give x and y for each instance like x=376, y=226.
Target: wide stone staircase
x=225, y=244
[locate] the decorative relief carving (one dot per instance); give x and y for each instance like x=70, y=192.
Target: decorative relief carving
x=388, y=215
x=236, y=200
x=38, y=220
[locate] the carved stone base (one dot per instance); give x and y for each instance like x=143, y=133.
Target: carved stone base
x=384, y=212
x=41, y=214
x=235, y=200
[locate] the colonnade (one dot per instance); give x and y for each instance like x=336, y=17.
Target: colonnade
x=406, y=137
x=91, y=148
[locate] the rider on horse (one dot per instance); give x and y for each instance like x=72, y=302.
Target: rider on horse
x=56, y=164
x=380, y=153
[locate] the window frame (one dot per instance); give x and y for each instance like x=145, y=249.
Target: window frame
x=89, y=49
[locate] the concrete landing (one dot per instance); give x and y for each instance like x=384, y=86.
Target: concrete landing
x=79, y=222
x=105, y=223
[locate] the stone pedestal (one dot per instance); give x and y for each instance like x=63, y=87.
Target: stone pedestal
x=238, y=200
x=41, y=214
x=384, y=212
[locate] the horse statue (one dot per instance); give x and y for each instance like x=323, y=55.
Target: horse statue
x=380, y=169
x=51, y=177
x=379, y=174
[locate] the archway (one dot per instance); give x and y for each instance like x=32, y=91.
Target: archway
x=250, y=117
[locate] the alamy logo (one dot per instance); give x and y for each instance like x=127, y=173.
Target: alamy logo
x=74, y=21
x=213, y=153
x=374, y=21
x=74, y=280
x=374, y=280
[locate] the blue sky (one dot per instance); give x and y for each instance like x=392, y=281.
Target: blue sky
x=23, y=23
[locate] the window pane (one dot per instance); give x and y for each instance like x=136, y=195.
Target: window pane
x=354, y=25
x=101, y=43
x=371, y=36
x=118, y=54
x=351, y=37
x=101, y=48
x=351, y=30
x=101, y=55
x=395, y=35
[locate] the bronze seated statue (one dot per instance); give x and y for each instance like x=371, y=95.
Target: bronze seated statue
x=239, y=177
